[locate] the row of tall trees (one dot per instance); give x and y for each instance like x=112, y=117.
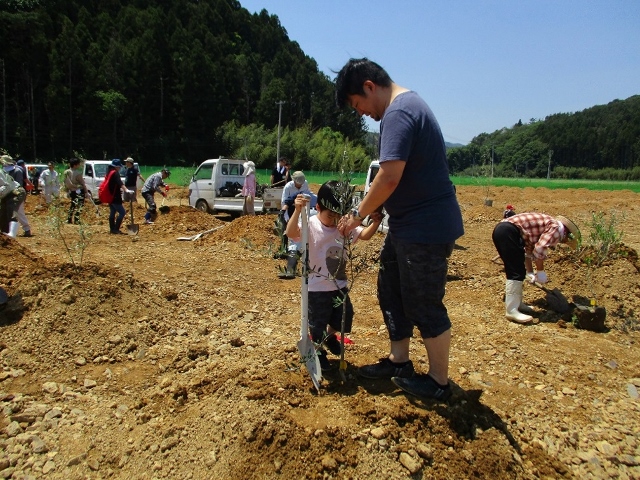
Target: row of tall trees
x=603, y=139
x=152, y=79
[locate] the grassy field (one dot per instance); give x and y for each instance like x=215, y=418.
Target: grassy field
x=552, y=183
x=182, y=175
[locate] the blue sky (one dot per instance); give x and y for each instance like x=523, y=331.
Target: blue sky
x=481, y=65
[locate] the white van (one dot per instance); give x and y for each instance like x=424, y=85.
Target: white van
x=94, y=172
x=216, y=182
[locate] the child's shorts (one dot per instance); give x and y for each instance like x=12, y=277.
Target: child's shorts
x=325, y=308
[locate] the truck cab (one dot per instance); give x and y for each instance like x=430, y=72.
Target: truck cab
x=216, y=184
x=374, y=168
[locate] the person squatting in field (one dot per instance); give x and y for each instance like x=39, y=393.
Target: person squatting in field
x=522, y=240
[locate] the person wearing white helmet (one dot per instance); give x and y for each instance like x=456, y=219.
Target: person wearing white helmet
x=49, y=182
x=522, y=241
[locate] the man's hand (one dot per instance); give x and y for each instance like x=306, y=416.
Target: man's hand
x=348, y=223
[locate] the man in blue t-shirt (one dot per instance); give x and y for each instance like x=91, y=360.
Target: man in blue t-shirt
x=414, y=187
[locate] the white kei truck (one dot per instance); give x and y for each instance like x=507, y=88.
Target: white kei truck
x=374, y=167
x=217, y=182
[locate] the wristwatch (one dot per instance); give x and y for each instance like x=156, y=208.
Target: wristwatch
x=356, y=214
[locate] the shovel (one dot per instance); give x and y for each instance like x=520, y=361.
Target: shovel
x=198, y=235
x=305, y=344
x=555, y=299
x=163, y=208
x=133, y=228
x=94, y=204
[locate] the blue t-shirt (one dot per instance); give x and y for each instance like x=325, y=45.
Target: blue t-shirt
x=423, y=208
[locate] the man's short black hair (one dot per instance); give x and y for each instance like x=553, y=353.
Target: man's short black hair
x=351, y=78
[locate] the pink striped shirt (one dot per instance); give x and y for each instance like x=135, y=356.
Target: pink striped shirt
x=539, y=232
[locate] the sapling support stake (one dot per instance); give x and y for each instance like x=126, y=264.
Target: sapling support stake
x=305, y=344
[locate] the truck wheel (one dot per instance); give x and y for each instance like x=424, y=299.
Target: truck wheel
x=202, y=206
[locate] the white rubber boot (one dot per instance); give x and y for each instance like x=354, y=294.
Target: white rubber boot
x=512, y=300
x=13, y=229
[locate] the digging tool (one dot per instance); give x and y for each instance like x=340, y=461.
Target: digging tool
x=305, y=344
x=94, y=204
x=555, y=299
x=163, y=208
x=198, y=235
x=132, y=229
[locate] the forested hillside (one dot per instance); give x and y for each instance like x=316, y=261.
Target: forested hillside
x=600, y=142
x=152, y=79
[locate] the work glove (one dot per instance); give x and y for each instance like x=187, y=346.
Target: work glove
x=129, y=192
x=531, y=277
x=164, y=194
x=541, y=277
x=166, y=188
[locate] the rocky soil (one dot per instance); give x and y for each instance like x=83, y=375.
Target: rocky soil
x=153, y=358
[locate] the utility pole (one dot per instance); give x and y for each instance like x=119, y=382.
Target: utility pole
x=549, y=165
x=491, y=160
x=280, y=103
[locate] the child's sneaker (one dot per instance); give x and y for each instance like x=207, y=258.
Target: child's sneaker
x=325, y=366
x=333, y=344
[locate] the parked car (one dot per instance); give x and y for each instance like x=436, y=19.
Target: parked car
x=33, y=172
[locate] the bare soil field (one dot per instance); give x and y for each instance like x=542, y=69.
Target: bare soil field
x=153, y=358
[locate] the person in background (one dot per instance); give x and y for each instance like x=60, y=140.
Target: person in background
x=414, y=187
x=19, y=175
x=154, y=184
x=76, y=189
x=509, y=211
x=328, y=256
x=249, y=188
x=12, y=194
x=23, y=166
x=292, y=189
x=49, y=183
x=294, y=248
x=521, y=241
x=280, y=174
x=131, y=178
x=117, y=188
